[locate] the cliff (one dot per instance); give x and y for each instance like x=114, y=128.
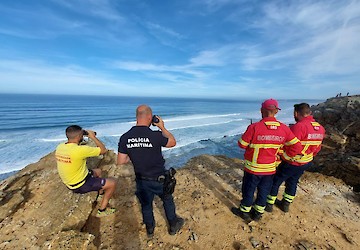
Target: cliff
x=340, y=155
x=38, y=212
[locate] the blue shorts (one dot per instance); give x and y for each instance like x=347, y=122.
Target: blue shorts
x=91, y=184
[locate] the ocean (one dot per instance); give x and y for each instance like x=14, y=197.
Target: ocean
x=31, y=126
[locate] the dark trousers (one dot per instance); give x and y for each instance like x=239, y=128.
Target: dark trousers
x=252, y=182
x=291, y=175
x=146, y=191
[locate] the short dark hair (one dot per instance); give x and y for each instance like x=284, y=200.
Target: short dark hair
x=302, y=108
x=73, y=131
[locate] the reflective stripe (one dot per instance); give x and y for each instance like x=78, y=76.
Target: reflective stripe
x=305, y=158
x=275, y=146
x=255, y=156
x=311, y=143
x=256, y=167
x=271, y=199
x=260, y=209
x=305, y=149
x=315, y=124
x=292, y=142
x=245, y=209
x=299, y=158
x=277, y=163
x=244, y=143
x=270, y=123
x=288, y=197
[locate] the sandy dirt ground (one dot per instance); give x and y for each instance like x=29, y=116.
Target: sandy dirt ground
x=325, y=214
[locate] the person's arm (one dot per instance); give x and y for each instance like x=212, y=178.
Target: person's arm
x=171, y=139
x=92, y=136
x=292, y=145
x=245, y=139
x=122, y=159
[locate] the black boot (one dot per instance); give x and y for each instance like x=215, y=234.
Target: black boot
x=269, y=207
x=255, y=215
x=150, y=230
x=243, y=215
x=176, y=225
x=284, y=205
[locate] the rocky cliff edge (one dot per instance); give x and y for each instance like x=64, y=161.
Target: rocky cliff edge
x=38, y=212
x=340, y=155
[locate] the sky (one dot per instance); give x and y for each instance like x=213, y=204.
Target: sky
x=238, y=49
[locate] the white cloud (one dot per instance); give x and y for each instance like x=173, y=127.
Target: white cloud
x=314, y=38
x=148, y=67
x=20, y=74
x=156, y=28
x=208, y=58
x=104, y=9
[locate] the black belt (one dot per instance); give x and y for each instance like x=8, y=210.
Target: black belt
x=160, y=178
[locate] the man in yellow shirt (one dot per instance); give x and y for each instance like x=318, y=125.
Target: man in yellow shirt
x=71, y=164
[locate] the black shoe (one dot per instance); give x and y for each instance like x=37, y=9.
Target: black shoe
x=150, y=230
x=176, y=226
x=243, y=215
x=283, y=205
x=255, y=215
x=269, y=207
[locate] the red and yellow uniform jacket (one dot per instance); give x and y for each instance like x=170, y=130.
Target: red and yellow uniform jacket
x=262, y=142
x=311, y=135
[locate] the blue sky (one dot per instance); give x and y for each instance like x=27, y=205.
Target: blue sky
x=199, y=48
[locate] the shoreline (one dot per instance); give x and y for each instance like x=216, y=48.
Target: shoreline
x=6, y=175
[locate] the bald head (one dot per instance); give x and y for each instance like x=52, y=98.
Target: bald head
x=143, y=115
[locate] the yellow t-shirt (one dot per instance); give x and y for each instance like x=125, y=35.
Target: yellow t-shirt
x=71, y=162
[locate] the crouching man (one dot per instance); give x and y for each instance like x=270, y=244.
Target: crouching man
x=71, y=164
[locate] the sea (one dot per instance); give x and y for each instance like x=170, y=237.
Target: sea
x=31, y=126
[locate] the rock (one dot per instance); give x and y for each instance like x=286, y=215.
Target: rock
x=196, y=195
x=255, y=243
x=150, y=243
x=340, y=154
x=193, y=237
x=238, y=246
x=305, y=245
x=38, y=206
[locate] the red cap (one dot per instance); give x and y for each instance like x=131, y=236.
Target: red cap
x=270, y=104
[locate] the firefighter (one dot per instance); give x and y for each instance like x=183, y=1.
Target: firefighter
x=262, y=141
x=310, y=133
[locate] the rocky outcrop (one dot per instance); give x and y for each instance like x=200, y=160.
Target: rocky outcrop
x=37, y=209
x=38, y=212
x=340, y=155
